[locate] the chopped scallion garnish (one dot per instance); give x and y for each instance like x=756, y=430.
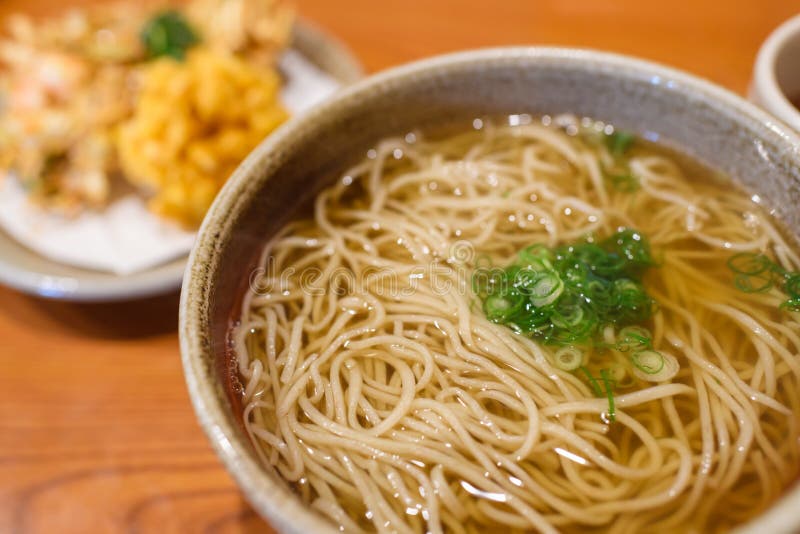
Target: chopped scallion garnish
x=756, y=273
x=618, y=142
x=568, y=294
x=618, y=174
x=568, y=358
x=648, y=361
x=598, y=391
x=168, y=34
x=612, y=412
x=653, y=366
x=545, y=289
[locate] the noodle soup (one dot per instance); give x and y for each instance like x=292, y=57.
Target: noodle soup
x=538, y=324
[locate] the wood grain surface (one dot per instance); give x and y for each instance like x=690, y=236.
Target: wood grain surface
x=96, y=430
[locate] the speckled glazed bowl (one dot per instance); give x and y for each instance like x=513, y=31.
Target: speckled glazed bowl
x=689, y=114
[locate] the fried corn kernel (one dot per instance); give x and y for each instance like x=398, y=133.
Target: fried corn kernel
x=194, y=122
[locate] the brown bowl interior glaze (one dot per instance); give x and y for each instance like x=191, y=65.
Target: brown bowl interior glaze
x=688, y=114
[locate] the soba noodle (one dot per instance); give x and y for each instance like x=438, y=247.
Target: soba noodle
x=376, y=386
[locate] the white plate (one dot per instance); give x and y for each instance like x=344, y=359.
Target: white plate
x=32, y=273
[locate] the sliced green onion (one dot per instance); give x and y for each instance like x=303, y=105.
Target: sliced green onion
x=566, y=295
x=792, y=285
x=626, y=286
x=792, y=289
x=592, y=382
x=792, y=305
x=568, y=317
x=619, y=142
x=625, y=183
x=537, y=265
x=756, y=273
x=612, y=413
x=487, y=281
x=536, y=252
x=652, y=366
x=749, y=263
x=620, y=375
x=648, y=361
x=525, y=278
x=498, y=307
x=753, y=283
x=568, y=358
x=633, y=246
x=546, y=289
x=633, y=338
x=619, y=175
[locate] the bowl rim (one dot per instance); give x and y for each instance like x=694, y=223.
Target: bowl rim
x=274, y=501
x=766, y=90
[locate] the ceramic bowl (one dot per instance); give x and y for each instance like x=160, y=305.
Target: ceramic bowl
x=692, y=115
x=776, y=76
x=29, y=272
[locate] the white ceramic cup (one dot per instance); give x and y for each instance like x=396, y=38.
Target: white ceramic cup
x=776, y=76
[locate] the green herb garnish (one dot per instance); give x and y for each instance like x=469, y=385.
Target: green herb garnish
x=606, y=390
x=612, y=412
x=648, y=361
x=568, y=358
x=619, y=175
x=619, y=142
x=756, y=273
x=633, y=339
x=168, y=34
x=567, y=295
x=625, y=182
x=593, y=383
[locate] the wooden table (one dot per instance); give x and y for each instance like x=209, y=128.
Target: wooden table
x=96, y=430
